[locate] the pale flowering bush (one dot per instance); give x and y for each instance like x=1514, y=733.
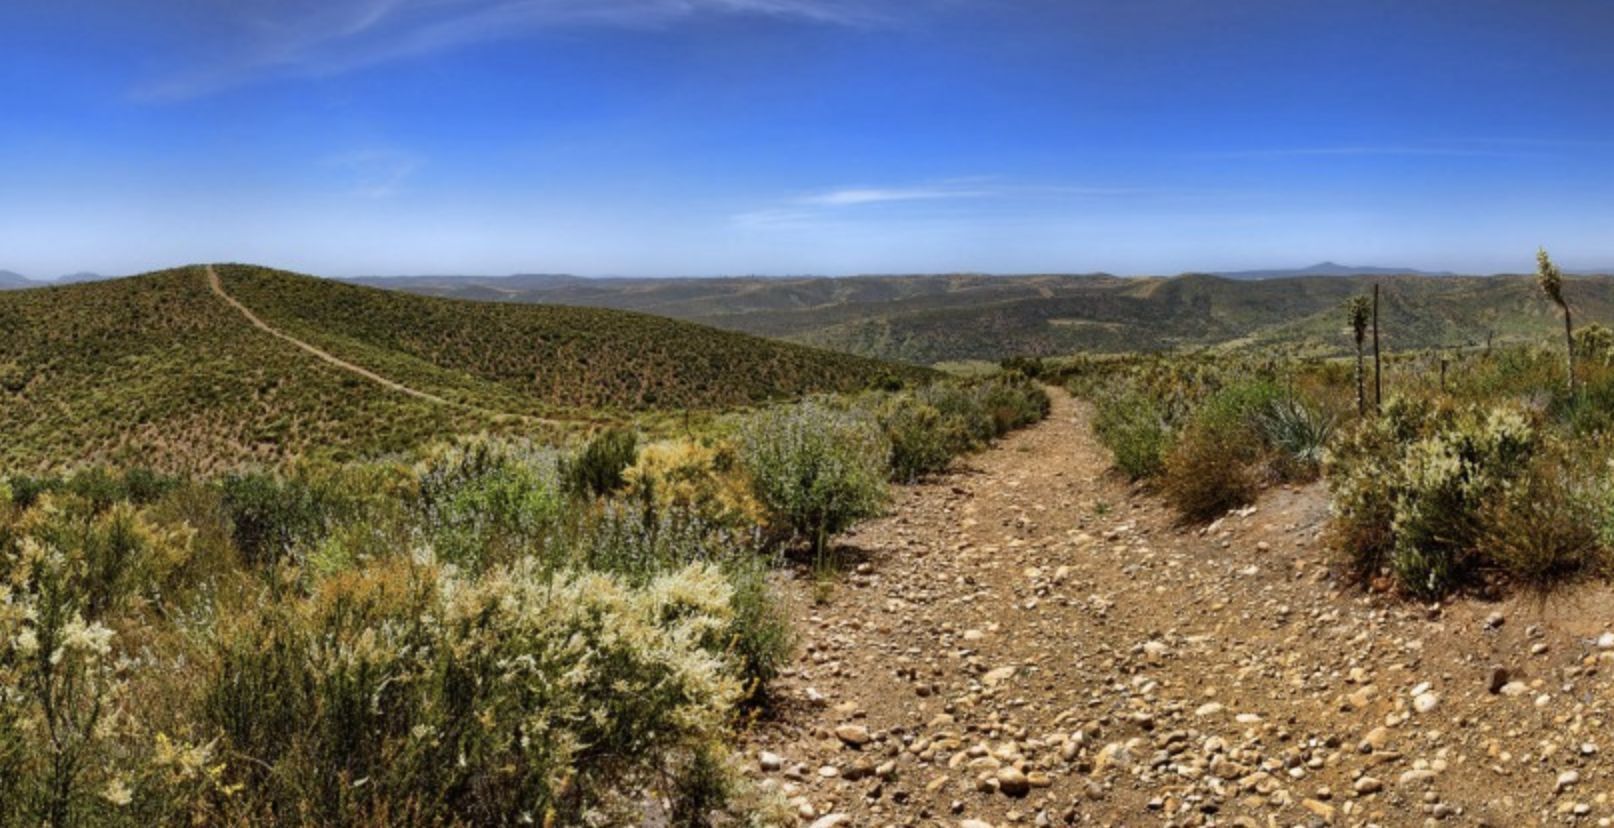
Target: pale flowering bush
x=460, y=641
x=685, y=476
x=517, y=696
x=1411, y=490
x=61, y=696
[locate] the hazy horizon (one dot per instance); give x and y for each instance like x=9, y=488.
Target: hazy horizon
x=833, y=137
x=1349, y=269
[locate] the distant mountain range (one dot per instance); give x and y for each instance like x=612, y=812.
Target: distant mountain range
x=928, y=319
x=1330, y=269
x=11, y=280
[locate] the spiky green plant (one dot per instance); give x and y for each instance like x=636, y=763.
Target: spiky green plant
x=1551, y=281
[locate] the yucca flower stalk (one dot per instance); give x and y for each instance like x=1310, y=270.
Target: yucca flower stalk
x=1360, y=310
x=1551, y=281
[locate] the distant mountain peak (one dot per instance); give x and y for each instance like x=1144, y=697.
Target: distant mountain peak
x=1330, y=268
x=10, y=279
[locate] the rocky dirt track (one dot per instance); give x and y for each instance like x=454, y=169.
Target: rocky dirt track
x=1028, y=641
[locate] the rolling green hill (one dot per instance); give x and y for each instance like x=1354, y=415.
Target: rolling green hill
x=160, y=370
x=930, y=319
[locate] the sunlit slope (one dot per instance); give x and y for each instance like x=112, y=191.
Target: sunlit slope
x=565, y=358
x=159, y=370
x=927, y=319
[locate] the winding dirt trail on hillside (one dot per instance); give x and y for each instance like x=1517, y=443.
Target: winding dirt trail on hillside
x=1028, y=640
x=217, y=285
x=218, y=288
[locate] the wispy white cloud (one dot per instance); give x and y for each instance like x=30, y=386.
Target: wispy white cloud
x=845, y=203
x=1417, y=151
x=374, y=173
x=310, y=38
x=854, y=196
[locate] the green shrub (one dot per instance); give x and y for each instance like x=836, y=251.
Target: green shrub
x=760, y=637
x=1357, y=467
x=598, y=468
x=1446, y=479
x=1545, y=528
x=271, y=516
x=1411, y=490
x=1013, y=401
x=938, y=422
x=1221, y=459
x=1133, y=427
x=966, y=423
x=485, y=501
x=921, y=441
x=25, y=490
x=815, y=469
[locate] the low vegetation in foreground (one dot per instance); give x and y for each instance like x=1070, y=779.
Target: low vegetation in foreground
x=1479, y=467
x=486, y=632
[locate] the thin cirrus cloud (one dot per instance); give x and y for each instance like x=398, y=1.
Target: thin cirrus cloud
x=375, y=173
x=845, y=203
x=259, y=39
x=1487, y=150
x=853, y=196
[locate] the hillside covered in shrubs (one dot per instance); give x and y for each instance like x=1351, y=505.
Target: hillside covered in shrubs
x=488, y=631
x=159, y=371
x=936, y=318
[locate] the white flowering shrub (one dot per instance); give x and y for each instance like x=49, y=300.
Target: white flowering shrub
x=457, y=642
x=61, y=697
x=516, y=696
x=1411, y=489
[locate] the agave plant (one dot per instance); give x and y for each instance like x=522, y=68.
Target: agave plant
x=1296, y=429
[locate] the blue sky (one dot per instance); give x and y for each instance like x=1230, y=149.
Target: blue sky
x=658, y=137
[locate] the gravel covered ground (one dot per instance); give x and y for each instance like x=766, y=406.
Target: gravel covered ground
x=1029, y=641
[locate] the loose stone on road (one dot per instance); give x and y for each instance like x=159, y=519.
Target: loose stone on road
x=1029, y=640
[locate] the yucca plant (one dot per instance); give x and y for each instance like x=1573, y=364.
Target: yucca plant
x=1360, y=311
x=1551, y=281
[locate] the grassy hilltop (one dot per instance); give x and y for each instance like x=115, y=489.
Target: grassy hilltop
x=159, y=370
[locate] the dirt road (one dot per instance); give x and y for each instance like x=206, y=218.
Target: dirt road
x=1030, y=641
